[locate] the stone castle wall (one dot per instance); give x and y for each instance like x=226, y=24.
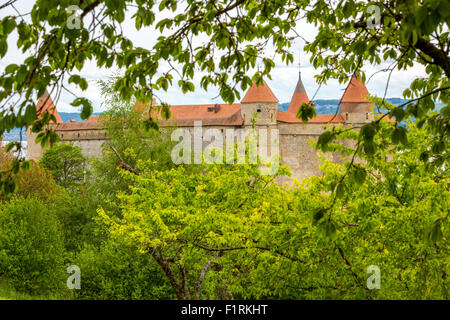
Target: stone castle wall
x=294, y=144
x=90, y=142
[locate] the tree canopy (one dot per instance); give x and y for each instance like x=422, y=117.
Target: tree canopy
x=67, y=164
x=232, y=232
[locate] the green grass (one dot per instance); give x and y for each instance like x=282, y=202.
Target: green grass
x=7, y=292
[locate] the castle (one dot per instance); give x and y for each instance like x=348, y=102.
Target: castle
x=294, y=134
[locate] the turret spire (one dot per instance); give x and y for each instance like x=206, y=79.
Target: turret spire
x=356, y=91
x=299, y=97
x=260, y=93
x=45, y=105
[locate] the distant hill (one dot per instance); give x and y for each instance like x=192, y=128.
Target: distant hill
x=322, y=106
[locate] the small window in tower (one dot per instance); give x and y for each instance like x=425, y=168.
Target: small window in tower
x=346, y=116
x=258, y=110
x=367, y=116
x=271, y=117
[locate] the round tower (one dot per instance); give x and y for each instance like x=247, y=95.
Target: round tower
x=44, y=105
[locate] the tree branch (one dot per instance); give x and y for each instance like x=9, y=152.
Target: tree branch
x=439, y=57
x=202, y=275
x=121, y=164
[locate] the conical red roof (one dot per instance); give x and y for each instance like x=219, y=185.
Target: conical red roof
x=299, y=97
x=356, y=91
x=45, y=105
x=259, y=94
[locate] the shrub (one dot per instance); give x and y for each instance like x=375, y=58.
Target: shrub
x=36, y=182
x=117, y=271
x=76, y=212
x=31, y=246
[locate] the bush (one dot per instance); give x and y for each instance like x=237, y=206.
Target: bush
x=31, y=247
x=76, y=212
x=36, y=182
x=117, y=271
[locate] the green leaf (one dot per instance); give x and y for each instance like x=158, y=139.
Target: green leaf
x=11, y=68
x=398, y=113
x=306, y=112
x=151, y=124
x=324, y=139
x=399, y=135
x=8, y=25
x=87, y=108
x=359, y=175
x=436, y=231
x=3, y=47
x=340, y=190
x=318, y=215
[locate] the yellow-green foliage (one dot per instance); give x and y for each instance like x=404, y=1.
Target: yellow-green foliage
x=233, y=232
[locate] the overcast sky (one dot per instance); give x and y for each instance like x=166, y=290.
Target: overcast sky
x=283, y=80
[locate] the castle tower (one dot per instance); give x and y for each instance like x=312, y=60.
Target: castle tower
x=354, y=104
x=259, y=99
x=299, y=96
x=44, y=105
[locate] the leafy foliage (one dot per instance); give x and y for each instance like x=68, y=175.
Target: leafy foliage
x=114, y=271
x=76, y=213
x=67, y=164
x=130, y=140
x=31, y=246
x=231, y=232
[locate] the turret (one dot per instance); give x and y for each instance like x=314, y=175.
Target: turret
x=259, y=99
x=299, y=96
x=354, y=105
x=44, y=105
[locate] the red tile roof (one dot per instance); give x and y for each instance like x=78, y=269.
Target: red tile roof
x=259, y=94
x=75, y=126
x=93, y=119
x=209, y=114
x=356, y=91
x=299, y=97
x=290, y=117
x=45, y=105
